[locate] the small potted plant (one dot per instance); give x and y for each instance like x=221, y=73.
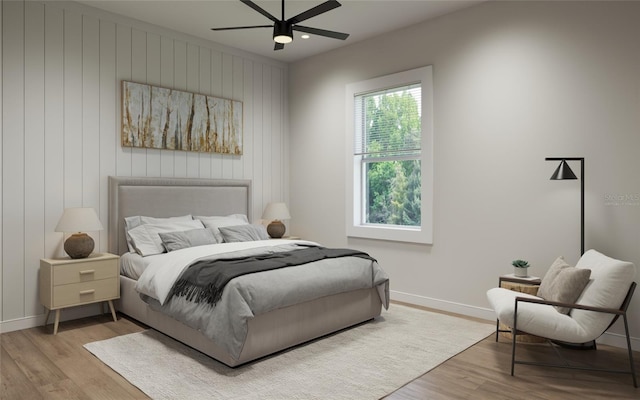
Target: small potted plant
x=520, y=268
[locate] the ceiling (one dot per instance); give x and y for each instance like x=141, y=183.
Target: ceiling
x=362, y=19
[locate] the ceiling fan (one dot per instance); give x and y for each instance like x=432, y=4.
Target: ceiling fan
x=283, y=28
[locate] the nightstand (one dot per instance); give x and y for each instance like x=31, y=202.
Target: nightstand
x=67, y=282
x=529, y=285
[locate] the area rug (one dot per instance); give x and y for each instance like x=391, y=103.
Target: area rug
x=365, y=362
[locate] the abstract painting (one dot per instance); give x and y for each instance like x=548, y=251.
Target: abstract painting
x=161, y=118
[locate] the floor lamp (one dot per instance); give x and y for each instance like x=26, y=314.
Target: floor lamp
x=564, y=172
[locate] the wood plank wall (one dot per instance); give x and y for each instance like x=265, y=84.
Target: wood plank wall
x=62, y=64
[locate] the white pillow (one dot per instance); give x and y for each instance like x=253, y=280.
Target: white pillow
x=146, y=238
x=137, y=220
x=217, y=222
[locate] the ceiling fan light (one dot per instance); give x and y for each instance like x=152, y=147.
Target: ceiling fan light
x=284, y=39
x=282, y=32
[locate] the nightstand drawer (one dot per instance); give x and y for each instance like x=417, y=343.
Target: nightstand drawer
x=85, y=272
x=85, y=292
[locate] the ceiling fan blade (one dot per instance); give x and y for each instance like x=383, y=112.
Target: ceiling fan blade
x=312, y=12
x=241, y=27
x=321, y=32
x=259, y=9
x=278, y=46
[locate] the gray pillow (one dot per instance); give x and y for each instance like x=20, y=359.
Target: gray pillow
x=183, y=239
x=243, y=233
x=563, y=283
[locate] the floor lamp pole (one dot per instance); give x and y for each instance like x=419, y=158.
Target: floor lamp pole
x=564, y=172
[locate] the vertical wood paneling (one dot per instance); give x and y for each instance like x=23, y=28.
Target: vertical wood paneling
x=247, y=113
x=12, y=158
x=123, y=72
x=267, y=146
x=109, y=122
x=1, y=159
x=276, y=135
x=34, y=194
x=258, y=127
x=72, y=109
x=61, y=71
x=138, y=74
x=166, y=80
x=153, y=78
x=91, y=116
x=54, y=127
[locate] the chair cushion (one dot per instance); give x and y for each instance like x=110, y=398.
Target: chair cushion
x=563, y=283
x=608, y=286
x=537, y=319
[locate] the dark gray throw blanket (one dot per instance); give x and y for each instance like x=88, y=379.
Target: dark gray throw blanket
x=204, y=281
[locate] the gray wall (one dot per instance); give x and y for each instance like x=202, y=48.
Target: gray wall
x=62, y=65
x=515, y=82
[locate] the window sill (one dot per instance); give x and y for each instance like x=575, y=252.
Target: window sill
x=395, y=234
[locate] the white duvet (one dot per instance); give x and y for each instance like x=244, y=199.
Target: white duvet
x=253, y=294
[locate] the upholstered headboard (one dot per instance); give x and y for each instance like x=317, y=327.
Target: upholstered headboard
x=170, y=197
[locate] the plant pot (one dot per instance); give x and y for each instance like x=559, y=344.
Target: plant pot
x=520, y=272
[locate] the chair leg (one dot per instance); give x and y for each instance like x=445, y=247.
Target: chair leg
x=497, y=329
x=633, y=368
x=513, y=338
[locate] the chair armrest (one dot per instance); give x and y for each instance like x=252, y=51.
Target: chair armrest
x=570, y=305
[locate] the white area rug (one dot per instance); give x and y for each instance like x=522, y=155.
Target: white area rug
x=366, y=362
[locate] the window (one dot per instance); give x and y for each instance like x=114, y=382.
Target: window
x=390, y=174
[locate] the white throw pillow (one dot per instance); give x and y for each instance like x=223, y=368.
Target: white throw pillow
x=137, y=220
x=146, y=238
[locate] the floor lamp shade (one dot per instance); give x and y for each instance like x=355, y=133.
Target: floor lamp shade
x=276, y=212
x=564, y=172
x=78, y=221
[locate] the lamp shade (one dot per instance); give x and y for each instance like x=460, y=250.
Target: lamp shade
x=80, y=219
x=563, y=172
x=276, y=211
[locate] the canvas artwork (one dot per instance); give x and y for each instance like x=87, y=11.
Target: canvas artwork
x=161, y=118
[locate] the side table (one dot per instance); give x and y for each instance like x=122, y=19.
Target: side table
x=528, y=285
x=67, y=282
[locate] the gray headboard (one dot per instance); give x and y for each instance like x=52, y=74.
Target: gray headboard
x=170, y=197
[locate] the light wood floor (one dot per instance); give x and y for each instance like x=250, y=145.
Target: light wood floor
x=35, y=364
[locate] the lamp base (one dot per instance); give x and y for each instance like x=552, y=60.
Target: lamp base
x=79, y=245
x=276, y=229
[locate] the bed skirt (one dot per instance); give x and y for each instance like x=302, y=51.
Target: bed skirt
x=267, y=333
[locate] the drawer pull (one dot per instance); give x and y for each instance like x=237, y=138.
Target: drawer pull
x=88, y=271
x=89, y=291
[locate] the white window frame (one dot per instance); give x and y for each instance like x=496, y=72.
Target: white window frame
x=355, y=225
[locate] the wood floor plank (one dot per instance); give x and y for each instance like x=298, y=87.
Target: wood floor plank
x=36, y=364
x=14, y=382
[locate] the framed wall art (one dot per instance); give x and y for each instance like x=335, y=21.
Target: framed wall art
x=161, y=118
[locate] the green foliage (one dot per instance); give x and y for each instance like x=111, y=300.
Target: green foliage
x=393, y=186
x=520, y=263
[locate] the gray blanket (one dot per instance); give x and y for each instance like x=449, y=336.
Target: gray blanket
x=255, y=294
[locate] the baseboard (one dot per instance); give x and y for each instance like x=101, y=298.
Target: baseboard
x=69, y=314
x=608, y=338
x=444, y=305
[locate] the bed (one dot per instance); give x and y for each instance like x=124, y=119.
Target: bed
x=267, y=332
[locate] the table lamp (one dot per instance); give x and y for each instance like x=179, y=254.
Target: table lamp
x=275, y=212
x=79, y=220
